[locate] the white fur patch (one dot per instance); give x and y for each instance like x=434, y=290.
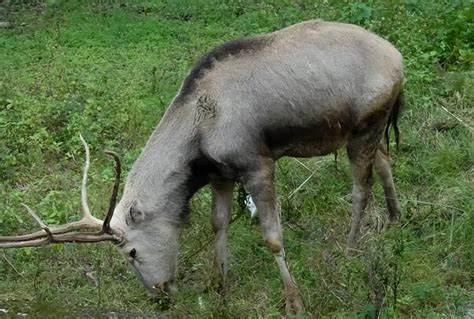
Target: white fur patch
x=251, y=206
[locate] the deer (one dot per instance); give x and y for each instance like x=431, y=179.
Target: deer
x=307, y=90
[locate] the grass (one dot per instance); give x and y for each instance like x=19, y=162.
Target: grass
x=108, y=69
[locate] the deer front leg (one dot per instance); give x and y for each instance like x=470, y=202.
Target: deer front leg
x=220, y=218
x=261, y=187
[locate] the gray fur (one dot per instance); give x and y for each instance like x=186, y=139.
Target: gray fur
x=235, y=48
x=305, y=90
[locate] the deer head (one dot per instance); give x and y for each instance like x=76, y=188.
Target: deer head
x=151, y=248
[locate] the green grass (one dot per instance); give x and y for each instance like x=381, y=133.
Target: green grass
x=108, y=69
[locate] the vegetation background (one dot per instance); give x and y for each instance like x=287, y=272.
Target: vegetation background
x=108, y=69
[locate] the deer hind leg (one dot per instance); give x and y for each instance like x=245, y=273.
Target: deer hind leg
x=361, y=156
x=259, y=184
x=382, y=167
x=220, y=218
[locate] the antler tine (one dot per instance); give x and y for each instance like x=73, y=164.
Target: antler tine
x=85, y=206
x=113, y=198
x=36, y=217
x=38, y=220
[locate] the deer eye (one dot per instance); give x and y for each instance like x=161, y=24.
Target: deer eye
x=135, y=215
x=132, y=253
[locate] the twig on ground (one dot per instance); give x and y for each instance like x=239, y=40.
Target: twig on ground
x=457, y=118
x=430, y=203
x=11, y=265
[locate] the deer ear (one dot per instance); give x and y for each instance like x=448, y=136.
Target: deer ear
x=135, y=215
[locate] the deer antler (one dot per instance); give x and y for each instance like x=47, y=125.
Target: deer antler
x=88, y=229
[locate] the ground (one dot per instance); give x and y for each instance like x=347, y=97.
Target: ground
x=108, y=69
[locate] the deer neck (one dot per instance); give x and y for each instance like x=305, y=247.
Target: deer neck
x=168, y=169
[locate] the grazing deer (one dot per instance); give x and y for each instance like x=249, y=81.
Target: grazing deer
x=303, y=91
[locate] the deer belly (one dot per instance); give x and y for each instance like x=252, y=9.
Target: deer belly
x=312, y=140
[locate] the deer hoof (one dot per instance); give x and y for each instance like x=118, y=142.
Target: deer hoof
x=293, y=303
x=352, y=248
x=353, y=244
x=217, y=283
x=393, y=219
